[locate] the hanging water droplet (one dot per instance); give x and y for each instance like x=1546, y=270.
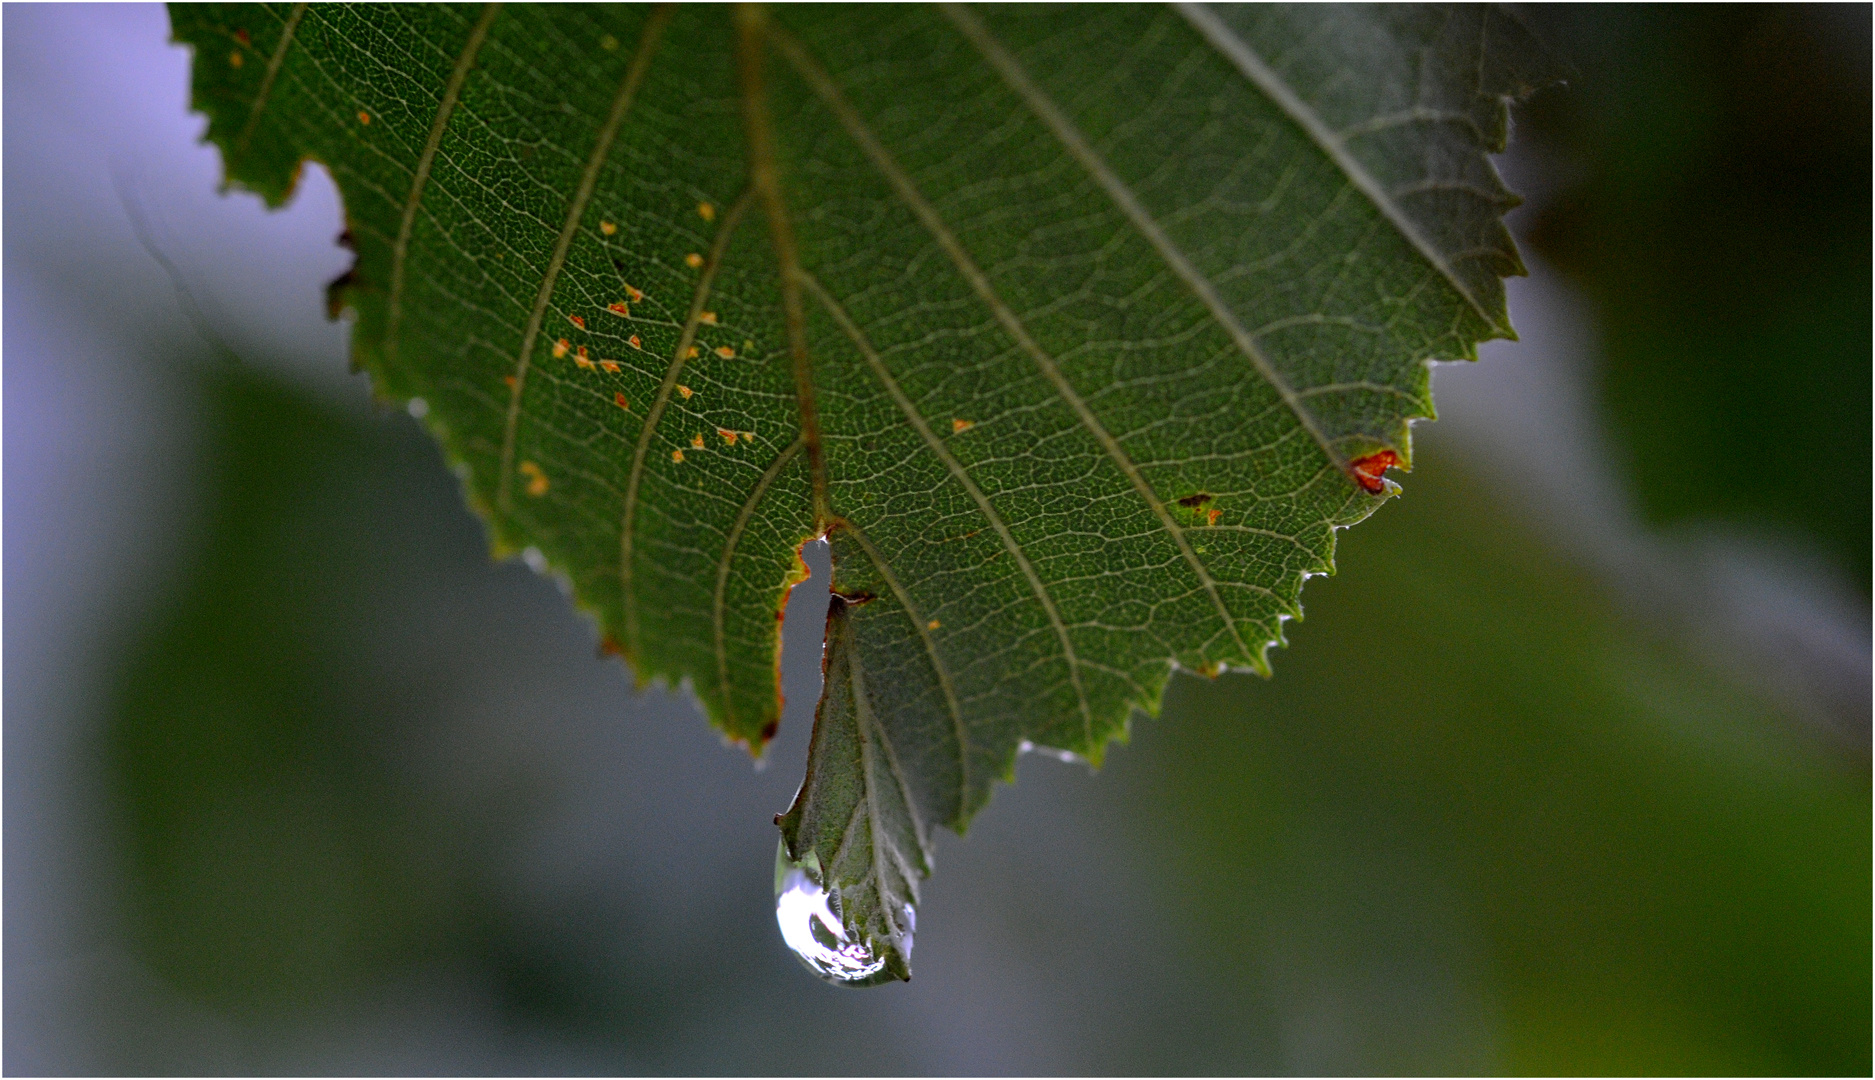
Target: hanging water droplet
x=811, y=927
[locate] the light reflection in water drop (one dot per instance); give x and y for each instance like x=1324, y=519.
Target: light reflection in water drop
x=812, y=929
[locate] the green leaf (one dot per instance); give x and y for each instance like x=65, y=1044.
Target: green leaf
x=1077, y=331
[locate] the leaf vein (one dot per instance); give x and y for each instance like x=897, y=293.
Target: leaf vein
x=1058, y=123
x=717, y=605
x=576, y=209
x=957, y=470
x=628, y=520
x=1265, y=78
x=444, y=110
x=961, y=731
x=266, y=81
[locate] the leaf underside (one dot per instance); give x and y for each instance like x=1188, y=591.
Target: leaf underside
x=1077, y=332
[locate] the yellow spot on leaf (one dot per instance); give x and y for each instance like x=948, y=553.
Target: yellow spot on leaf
x=634, y=342
x=706, y=211
x=693, y=260
x=617, y=307
x=707, y=317
x=235, y=59
x=576, y=321
x=932, y=625
x=725, y=352
x=634, y=294
x=686, y=392
x=364, y=117
x=697, y=440
x=607, y=228
x=611, y=366
x=560, y=347
x=509, y=379
x=677, y=455
x=619, y=400
x=1211, y=518
x=536, y=480
x=692, y=354
x=609, y=43
x=962, y=425
x=729, y=437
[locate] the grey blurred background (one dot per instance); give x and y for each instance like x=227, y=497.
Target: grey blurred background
x=1567, y=770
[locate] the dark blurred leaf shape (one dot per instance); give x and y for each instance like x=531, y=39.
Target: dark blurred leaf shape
x=1077, y=331
x=273, y=852
x=1717, y=166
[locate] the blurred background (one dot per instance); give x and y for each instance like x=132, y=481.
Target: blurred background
x=1567, y=771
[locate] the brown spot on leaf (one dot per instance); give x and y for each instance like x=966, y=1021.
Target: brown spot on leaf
x=686, y=392
x=536, y=479
x=1211, y=518
x=619, y=400
x=1193, y=502
x=693, y=260
x=611, y=366
x=607, y=228
x=634, y=342
x=576, y=321
x=242, y=37
x=729, y=437
x=364, y=117
x=617, y=307
x=962, y=425
x=235, y=59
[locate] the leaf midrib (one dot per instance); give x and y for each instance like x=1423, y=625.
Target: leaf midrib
x=756, y=33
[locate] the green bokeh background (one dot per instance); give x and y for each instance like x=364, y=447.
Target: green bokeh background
x=1717, y=211
x=1489, y=816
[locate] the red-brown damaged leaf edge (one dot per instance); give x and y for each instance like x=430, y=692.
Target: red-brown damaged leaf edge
x=1369, y=471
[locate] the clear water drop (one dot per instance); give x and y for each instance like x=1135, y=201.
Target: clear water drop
x=812, y=928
